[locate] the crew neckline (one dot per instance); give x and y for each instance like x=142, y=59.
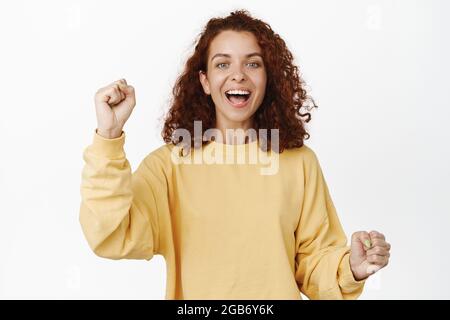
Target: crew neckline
x=234, y=145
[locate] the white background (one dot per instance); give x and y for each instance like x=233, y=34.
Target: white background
x=377, y=69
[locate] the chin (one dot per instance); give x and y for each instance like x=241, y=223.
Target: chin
x=237, y=115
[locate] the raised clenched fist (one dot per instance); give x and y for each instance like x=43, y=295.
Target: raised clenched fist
x=114, y=104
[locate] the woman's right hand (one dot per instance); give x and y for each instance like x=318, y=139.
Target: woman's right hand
x=113, y=105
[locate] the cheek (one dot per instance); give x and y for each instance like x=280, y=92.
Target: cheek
x=260, y=81
x=261, y=90
x=215, y=83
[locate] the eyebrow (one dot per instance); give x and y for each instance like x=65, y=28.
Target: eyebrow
x=225, y=55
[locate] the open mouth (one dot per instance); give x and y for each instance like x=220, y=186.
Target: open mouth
x=238, y=98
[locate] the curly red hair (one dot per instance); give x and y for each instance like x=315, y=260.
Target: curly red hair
x=285, y=95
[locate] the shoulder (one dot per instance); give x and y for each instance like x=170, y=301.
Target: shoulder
x=159, y=160
x=303, y=154
x=161, y=153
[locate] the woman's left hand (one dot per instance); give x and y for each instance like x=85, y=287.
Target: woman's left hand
x=369, y=253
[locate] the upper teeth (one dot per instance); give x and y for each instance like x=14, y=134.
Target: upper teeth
x=238, y=92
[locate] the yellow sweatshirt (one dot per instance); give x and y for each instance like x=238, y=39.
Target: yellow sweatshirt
x=226, y=231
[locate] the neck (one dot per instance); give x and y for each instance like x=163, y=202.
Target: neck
x=231, y=132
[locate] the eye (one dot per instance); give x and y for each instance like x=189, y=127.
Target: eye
x=222, y=65
x=253, y=64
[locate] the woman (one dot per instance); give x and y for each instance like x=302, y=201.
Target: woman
x=227, y=230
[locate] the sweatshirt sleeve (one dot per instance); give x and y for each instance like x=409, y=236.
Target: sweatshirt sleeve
x=322, y=258
x=118, y=212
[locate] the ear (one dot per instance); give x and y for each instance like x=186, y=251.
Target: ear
x=204, y=81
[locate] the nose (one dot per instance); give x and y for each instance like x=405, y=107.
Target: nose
x=238, y=75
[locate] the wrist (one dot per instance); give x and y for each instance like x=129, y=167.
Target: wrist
x=357, y=274
x=109, y=134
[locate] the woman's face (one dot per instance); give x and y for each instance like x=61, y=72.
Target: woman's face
x=236, y=78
